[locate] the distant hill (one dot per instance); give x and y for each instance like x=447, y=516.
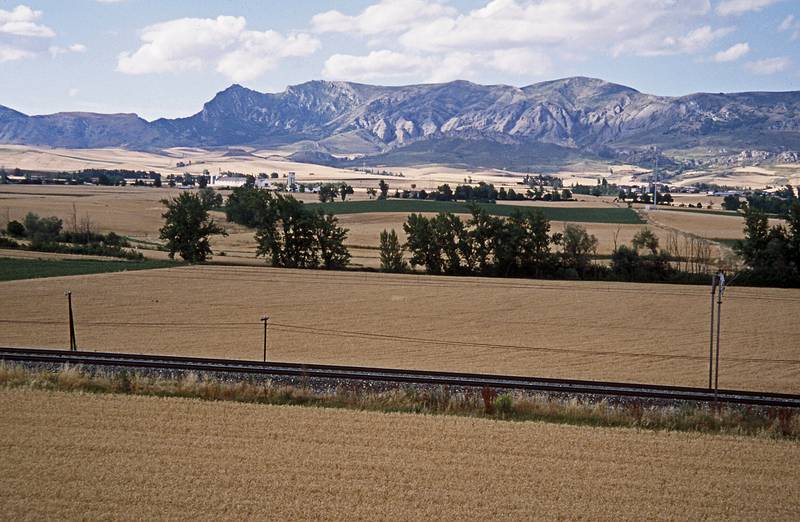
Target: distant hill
x=487, y=125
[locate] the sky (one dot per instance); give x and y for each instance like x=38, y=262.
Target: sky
x=165, y=58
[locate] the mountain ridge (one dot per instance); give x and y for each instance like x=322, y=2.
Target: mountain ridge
x=587, y=115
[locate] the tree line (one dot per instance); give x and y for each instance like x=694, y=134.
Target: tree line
x=290, y=234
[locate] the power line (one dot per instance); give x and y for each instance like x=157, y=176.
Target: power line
x=417, y=340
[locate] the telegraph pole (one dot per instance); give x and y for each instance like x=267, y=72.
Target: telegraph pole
x=719, y=321
x=265, y=319
x=73, y=344
x=655, y=180
x=711, y=334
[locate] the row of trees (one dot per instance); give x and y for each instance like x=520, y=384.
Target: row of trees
x=772, y=254
x=488, y=245
x=523, y=245
x=482, y=192
x=288, y=233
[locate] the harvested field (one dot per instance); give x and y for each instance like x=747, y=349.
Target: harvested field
x=703, y=224
x=582, y=330
x=75, y=456
x=607, y=214
x=132, y=211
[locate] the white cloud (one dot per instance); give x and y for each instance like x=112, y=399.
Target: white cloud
x=625, y=25
x=769, y=65
x=376, y=64
x=519, y=37
x=790, y=24
x=73, y=92
x=10, y=54
x=732, y=53
x=521, y=60
x=412, y=66
x=223, y=42
x=387, y=16
x=56, y=50
x=736, y=7
x=21, y=21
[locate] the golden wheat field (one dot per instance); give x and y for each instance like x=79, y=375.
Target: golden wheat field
x=75, y=456
x=583, y=330
x=136, y=212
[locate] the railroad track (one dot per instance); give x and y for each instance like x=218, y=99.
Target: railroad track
x=397, y=376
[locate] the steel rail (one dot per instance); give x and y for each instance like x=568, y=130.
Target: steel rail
x=400, y=376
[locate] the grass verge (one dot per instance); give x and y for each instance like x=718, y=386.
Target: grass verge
x=14, y=268
x=624, y=216
x=487, y=403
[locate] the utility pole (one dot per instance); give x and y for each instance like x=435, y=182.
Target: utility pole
x=265, y=319
x=719, y=321
x=711, y=334
x=655, y=180
x=73, y=344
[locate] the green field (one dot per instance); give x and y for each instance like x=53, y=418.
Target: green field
x=12, y=268
x=729, y=213
x=622, y=216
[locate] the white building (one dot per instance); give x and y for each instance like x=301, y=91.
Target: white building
x=227, y=181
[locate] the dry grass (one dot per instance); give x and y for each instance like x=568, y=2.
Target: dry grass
x=74, y=456
x=610, y=331
x=484, y=403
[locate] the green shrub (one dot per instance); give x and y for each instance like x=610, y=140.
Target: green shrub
x=504, y=404
x=15, y=229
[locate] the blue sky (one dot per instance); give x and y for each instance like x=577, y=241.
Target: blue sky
x=166, y=58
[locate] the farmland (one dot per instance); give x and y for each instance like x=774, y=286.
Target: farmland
x=83, y=456
x=553, y=213
x=14, y=268
x=136, y=213
x=583, y=330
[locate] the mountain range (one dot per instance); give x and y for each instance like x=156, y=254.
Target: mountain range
x=459, y=121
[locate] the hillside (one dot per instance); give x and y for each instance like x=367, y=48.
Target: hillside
x=542, y=123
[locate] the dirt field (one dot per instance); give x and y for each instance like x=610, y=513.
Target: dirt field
x=612, y=331
x=72, y=456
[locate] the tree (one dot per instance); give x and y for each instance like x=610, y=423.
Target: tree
x=578, y=246
x=731, y=202
x=522, y=244
x=273, y=175
x=15, y=229
x=211, y=198
x=384, y=188
x=327, y=192
x=421, y=243
x=291, y=235
x=202, y=182
x=449, y=240
x=371, y=192
x=330, y=240
x=391, y=253
x=482, y=229
x=345, y=190
x=42, y=230
x=645, y=238
x=171, y=180
x=187, y=227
